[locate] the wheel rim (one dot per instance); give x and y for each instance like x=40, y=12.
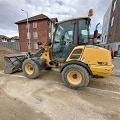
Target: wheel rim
x=29, y=69
x=74, y=77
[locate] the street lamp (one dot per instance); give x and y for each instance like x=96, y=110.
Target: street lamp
x=28, y=33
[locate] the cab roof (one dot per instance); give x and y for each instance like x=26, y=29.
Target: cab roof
x=77, y=18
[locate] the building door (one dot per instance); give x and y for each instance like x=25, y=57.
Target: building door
x=118, y=49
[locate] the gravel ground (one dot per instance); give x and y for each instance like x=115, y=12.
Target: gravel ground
x=47, y=98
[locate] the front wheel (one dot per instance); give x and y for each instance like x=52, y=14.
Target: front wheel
x=30, y=69
x=75, y=76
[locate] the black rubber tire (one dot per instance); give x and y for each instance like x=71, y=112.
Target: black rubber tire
x=36, y=71
x=84, y=73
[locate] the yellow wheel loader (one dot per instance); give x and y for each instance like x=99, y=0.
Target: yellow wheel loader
x=70, y=52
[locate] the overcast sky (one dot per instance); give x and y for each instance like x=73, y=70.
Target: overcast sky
x=10, y=11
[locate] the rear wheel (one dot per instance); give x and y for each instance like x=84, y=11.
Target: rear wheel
x=30, y=69
x=75, y=76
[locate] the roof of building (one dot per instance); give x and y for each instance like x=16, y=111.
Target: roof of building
x=15, y=38
x=3, y=36
x=34, y=18
x=54, y=20
x=92, y=36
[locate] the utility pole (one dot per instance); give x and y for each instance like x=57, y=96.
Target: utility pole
x=28, y=31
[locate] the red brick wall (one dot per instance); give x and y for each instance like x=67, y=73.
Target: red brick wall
x=117, y=35
x=42, y=30
x=114, y=31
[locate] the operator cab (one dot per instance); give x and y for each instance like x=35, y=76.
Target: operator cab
x=68, y=34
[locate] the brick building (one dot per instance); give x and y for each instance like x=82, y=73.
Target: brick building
x=114, y=26
x=4, y=38
x=106, y=22
x=40, y=30
x=111, y=28
x=14, y=39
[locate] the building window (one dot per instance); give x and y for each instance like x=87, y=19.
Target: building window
x=34, y=24
x=4, y=40
x=27, y=26
x=28, y=36
x=114, y=6
x=105, y=38
x=107, y=26
x=119, y=49
x=29, y=46
x=102, y=39
x=35, y=45
x=50, y=24
x=104, y=29
x=35, y=35
x=112, y=21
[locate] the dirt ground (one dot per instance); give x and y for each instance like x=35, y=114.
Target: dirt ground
x=5, y=51
x=46, y=98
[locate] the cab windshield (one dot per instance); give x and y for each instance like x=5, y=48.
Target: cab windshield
x=83, y=31
x=64, y=37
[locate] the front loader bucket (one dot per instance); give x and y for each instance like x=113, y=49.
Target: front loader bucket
x=14, y=63
x=9, y=68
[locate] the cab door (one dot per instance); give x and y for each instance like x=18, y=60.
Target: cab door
x=63, y=41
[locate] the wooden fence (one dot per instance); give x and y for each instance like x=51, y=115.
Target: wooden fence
x=11, y=45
